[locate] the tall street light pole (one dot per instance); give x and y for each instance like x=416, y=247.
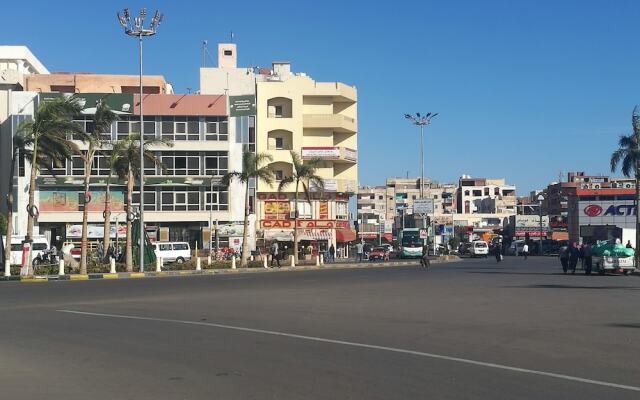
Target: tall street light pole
x=540, y=199
x=421, y=121
x=137, y=29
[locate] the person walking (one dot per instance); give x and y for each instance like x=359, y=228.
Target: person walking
x=498, y=251
x=332, y=253
x=564, y=258
x=525, y=250
x=588, y=261
x=629, y=245
x=359, y=251
x=275, y=256
x=424, y=259
x=574, y=254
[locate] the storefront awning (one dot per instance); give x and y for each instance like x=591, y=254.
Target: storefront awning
x=283, y=235
x=314, y=234
x=344, y=235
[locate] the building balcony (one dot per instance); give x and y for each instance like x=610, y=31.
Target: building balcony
x=332, y=153
x=338, y=91
x=336, y=122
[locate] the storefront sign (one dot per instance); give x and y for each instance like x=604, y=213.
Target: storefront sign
x=231, y=229
x=324, y=210
x=242, y=106
x=120, y=103
x=305, y=224
x=531, y=221
x=276, y=210
x=621, y=213
x=350, y=154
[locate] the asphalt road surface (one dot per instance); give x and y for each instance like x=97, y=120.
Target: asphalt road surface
x=473, y=329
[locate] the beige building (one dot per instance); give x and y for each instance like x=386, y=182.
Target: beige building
x=316, y=120
x=96, y=83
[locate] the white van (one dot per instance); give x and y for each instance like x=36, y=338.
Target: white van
x=40, y=244
x=479, y=248
x=178, y=252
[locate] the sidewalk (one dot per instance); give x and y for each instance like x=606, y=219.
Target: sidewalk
x=348, y=264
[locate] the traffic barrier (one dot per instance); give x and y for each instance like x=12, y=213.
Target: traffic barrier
x=233, y=262
x=61, y=267
x=113, y=266
x=198, y=265
x=317, y=261
x=264, y=262
x=321, y=259
x=293, y=260
x=158, y=264
x=7, y=267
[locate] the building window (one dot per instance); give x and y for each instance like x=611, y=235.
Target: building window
x=279, y=174
x=477, y=193
x=149, y=199
x=131, y=125
x=486, y=191
x=278, y=111
x=216, y=128
x=496, y=191
x=342, y=210
x=216, y=163
x=304, y=209
x=279, y=143
x=218, y=199
x=467, y=193
x=181, y=163
x=180, y=128
x=380, y=197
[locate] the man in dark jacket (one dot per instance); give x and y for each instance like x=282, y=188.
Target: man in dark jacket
x=574, y=254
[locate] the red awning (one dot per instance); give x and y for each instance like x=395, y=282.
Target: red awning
x=345, y=235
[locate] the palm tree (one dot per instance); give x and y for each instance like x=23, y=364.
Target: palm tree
x=304, y=174
x=127, y=166
x=46, y=136
x=94, y=138
x=251, y=169
x=117, y=148
x=628, y=157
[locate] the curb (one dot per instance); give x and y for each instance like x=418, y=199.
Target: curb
x=162, y=274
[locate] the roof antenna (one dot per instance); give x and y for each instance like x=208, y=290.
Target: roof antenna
x=204, y=52
x=232, y=36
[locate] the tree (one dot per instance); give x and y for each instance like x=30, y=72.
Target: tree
x=627, y=156
x=251, y=169
x=116, y=151
x=45, y=143
x=304, y=174
x=94, y=139
x=127, y=166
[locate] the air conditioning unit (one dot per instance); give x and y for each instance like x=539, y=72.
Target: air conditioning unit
x=628, y=186
x=596, y=186
x=585, y=186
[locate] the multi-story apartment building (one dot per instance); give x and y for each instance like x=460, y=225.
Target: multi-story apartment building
x=181, y=201
x=485, y=196
x=292, y=112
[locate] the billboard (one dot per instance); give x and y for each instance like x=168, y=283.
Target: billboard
x=95, y=231
x=531, y=221
x=621, y=213
x=242, y=106
x=63, y=200
x=423, y=206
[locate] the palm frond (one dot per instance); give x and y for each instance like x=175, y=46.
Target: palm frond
x=230, y=176
x=285, y=182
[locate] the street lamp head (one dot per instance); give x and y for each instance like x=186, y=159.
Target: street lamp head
x=136, y=27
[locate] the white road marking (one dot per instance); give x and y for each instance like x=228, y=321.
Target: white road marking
x=366, y=346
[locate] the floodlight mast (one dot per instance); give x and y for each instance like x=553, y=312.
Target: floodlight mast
x=137, y=29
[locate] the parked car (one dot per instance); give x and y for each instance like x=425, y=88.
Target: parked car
x=515, y=249
x=479, y=248
x=178, y=252
x=379, y=253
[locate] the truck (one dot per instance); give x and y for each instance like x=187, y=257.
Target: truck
x=608, y=256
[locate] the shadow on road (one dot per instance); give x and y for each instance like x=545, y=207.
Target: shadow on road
x=553, y=286
x=625, y=325
x=513, y=273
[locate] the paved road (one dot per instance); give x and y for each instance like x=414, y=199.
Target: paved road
x=467, y=330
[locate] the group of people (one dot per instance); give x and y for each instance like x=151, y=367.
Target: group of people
x=570, y=255
x=112, y=251
x=277, y=254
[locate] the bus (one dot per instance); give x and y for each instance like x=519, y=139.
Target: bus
x=410, y=243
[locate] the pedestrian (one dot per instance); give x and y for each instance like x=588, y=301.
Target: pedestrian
x=332, y=253
x=525, y=250
x=424, y=259
x=359, y=251
x=581, y=255
x=587, y=260
x=574, y=254
x=498, y=251
x=274, y=250
x=629, y=245
x=564, y=258
x=100, y=251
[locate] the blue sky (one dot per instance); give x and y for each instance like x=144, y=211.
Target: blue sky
x=524, y=89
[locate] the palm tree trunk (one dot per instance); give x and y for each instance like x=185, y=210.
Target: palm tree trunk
x=295, y=225
x=85, y=212
x=106, y=239
x=128, y=249
x=7, y=238
x=245, y=242
x=32, y=190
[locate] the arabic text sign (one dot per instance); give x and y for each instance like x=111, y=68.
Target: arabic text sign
x=423, y=206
